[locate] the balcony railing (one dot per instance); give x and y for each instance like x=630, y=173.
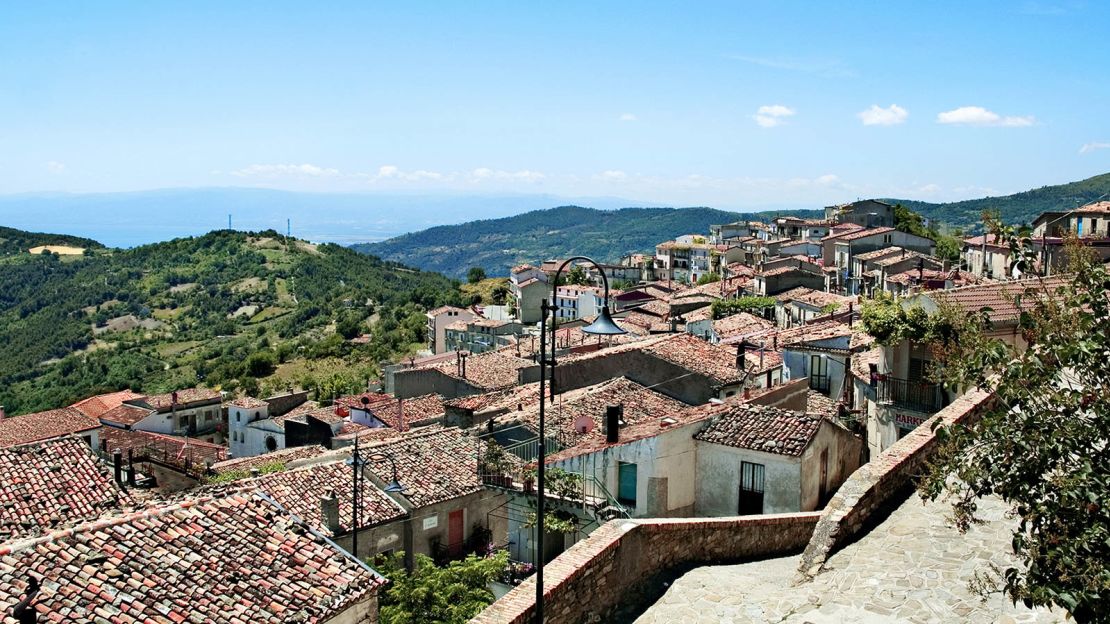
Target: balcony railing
x=919, y=396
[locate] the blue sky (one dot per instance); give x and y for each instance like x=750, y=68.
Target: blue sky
x=734, y=105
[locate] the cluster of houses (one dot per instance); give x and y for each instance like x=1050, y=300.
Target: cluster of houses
x=199, y=506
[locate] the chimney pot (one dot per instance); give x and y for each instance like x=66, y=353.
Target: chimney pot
x=117, y=462
x=613, y=415
x=329, y=511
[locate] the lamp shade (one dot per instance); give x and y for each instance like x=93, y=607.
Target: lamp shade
x=604, y=325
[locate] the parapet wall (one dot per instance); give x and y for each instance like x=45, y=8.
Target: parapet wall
x=616, y=564
x=873, y=485
x=621, y=563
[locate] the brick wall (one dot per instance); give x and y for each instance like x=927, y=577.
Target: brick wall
x=623, y=562
x=874, y=485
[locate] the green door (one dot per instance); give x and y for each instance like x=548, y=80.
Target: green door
x=626, y=483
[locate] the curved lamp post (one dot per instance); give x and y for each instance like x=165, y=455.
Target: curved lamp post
x=603, y=325
x=356, y=463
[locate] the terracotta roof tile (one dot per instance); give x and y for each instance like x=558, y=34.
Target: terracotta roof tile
x=44, y=425
x=763, y=428
x=491, y=370
x=187, y=396
x=698, y=356
x=168, y=448
x=433, y=467
x=227, y=561
x=247, y=402
x=284, y=456
x=740, y=325
x=999, y=296
x=299, y=491
x=50, y=485
x=126, y=414
x=96, y=405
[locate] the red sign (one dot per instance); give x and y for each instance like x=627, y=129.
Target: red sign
x=909, y=421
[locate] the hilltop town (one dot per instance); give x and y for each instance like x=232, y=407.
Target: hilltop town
x=746, y=411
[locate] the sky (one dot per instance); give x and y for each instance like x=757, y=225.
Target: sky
x=734, y=105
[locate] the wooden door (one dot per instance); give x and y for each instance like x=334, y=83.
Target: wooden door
x=455, y=533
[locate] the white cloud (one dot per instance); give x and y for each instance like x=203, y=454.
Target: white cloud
x=387, y=171
x=772, y=115
x=525, y=175
x=1091, y=147
x=879, y=116
x=828, y=179
x=276, y=171
x=979, y=116
x=55, y=167
x=612, y=175
x=627, y=117
x=826, y=68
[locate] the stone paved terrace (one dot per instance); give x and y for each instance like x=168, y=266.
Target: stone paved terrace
x=913, y=567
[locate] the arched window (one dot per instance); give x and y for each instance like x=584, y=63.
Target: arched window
x=271, y=444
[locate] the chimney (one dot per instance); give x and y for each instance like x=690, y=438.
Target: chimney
x=329, y=511
x=117, y=462
x=850, y=306
x=401, y=413
x=775, y=342
x=463, y=373
x=613, y=415
x=2, y=414
x=740, y=356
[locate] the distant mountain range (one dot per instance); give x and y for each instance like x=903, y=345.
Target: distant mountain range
x=498, y=244
x=142, y=217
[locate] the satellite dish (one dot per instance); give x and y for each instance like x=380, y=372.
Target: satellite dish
x=584, y=424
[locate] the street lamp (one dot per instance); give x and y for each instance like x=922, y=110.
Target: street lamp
x=603, y=325
x=357, y=463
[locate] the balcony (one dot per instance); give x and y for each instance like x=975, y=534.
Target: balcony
x=919, y=396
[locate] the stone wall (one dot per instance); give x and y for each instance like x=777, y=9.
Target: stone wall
x=624, y=562
x=792, y=395
x=872, y=488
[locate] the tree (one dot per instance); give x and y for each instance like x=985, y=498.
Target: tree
x=451, y=594
x=349, y=325
x=577, y=275
x=708, y=278
x=475, y=275
x=260, y=363
x=500, y=294
x=759, y=306
x=1043, y=445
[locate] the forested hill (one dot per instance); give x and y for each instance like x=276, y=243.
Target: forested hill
x=13, y=241
x=227, y=309
x=1017, y=208
x=498, y=244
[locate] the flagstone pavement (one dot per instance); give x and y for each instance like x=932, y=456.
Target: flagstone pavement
x=914, y=567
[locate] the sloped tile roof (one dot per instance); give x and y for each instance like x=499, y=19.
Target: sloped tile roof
x=416, y=409
x=491, y=370
x=44, y=425
x=763, y=428
x=185, y=397
x=697, y=356
x=247, y=402
x=741, y=324
x=879, y=253
x=433, y=467
x=173, y=448
x=299, y=491
x=96, y=405
x=126, y=414
x=228, y=561
x=50, y=485
x=284, y=456
x=999, y=296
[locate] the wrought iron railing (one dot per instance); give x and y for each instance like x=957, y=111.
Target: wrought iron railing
x=919, y=396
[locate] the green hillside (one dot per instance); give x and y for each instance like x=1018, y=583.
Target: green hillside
x=1017, y=208
x=498, y=244
x=227, y=309
x=13, y=241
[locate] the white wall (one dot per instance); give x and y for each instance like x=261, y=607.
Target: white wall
x=718, y=480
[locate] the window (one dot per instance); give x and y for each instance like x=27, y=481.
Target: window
x=183, y=421
x=626, y=483
x=819, y=373
x=236, y=416
x=751, y=489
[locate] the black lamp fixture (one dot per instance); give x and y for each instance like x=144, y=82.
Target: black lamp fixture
x=356, y=462
x=603, y=325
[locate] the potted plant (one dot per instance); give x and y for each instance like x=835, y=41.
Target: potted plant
x=494, y=466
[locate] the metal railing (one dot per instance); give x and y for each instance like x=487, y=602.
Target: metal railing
x=919, y=396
